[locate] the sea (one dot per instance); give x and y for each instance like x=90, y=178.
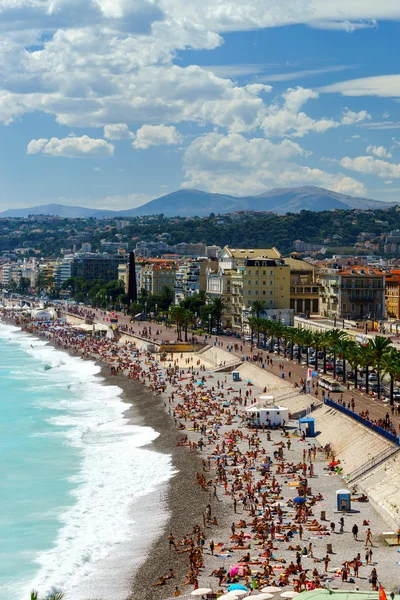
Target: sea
x=82, y=492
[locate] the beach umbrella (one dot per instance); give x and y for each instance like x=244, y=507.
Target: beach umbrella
x=299, y=500
x=238, y=593
x=289, y=594
x=237, y=587
x=201, y=592
x=271, y=589
x=263, y=596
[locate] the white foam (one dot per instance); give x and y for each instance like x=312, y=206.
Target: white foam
x=100, y=527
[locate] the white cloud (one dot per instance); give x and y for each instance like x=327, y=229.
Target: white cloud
x=97, y=169
x=156, y=135
x=272, y=77
x=351, y=118
x=72, y=147
x=286, y=120
x=236, y=70
x=348, y=26
x=119, y=131
x=371, y=166
x=385, y=86
x=379, y=151
x=235, y=165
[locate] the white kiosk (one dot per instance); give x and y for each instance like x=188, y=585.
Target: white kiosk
x=269, y=416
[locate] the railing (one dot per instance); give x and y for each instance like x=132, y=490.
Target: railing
x=372, y=463
x=386, y=434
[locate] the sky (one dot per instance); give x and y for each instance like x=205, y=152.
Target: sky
x=111, y=103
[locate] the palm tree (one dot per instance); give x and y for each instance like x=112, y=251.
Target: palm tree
x=217, y=307
x=188, y=319
x=379, y=348
x=366, y=360
x=353, y=357
x=391, y=366
x=335, y=337
x=264, y=328
x=258, y=307
x=177, y=314
x=254, y=325
x=308, y=340
x=278, y=330
x=299, y=339
x=343, y=348
x=317, y=345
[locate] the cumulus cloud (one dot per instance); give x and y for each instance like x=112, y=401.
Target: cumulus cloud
x=371, y=166
x=72, y=147
x=235, y=165
x=119, y=131
x=379, y=151
x=287, y=120
x=351, y=118
x=156, y=135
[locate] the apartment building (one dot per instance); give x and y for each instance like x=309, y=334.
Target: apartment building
x=191, y=278
x=357, y=292
x=246, y=275
x=304, y=286
x=392, y=294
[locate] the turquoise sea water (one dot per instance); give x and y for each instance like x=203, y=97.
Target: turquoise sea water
x=71, y=467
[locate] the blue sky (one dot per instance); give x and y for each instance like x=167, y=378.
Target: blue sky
x=110, y=103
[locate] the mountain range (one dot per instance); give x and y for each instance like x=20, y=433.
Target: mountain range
x=190, y=203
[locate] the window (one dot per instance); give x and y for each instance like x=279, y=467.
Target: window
x=256, y=292
x=264, y=272
x=264, y=283
x=270, y=283
x=270, y=302
x=271, y=272
x=249, y=282
x=249, y=292
x=270, y=293
x=257, y=282
x=248, y=302
x=264, y=292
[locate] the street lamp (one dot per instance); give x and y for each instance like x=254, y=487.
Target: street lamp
x=209, y=323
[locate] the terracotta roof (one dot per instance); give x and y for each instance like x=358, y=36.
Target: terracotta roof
x=361, y=270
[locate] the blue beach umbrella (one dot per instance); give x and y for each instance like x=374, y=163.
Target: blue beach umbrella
x=237, y=586
x=299, y=500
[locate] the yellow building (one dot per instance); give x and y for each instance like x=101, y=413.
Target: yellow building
x=304, y=286
x=392, y=295
x=248, y=275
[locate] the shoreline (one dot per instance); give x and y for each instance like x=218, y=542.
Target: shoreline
x=186, y=502
x=148, y=409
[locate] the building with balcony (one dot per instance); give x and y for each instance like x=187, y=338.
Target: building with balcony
x=355, y=293
x=304, y=286
x=392, y=294
x=191, y=278
x=248, y=275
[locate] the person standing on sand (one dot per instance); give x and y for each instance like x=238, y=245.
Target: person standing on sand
x=327, y=560
x=171, y=541
x=177, y=592
x=368, y=537
x=354, y=531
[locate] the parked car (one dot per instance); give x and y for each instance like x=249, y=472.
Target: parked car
x=372, y=377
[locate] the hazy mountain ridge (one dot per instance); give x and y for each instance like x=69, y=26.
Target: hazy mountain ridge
x=187, y=203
